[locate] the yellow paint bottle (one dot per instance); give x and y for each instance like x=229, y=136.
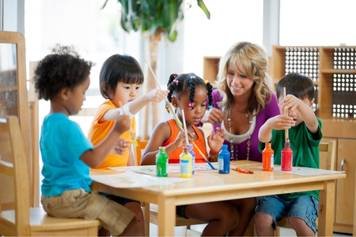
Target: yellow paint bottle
x=186, y=164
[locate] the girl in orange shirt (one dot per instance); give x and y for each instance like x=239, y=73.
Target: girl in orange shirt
x=121, y=78
x=190, y=93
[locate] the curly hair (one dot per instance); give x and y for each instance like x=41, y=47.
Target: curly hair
x=63, y=68
x=252, y=61
x=119, y=68
x=178, y=84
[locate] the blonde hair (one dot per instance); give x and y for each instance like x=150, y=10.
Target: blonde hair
x=251, y=59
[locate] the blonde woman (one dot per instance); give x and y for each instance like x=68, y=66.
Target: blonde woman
x=249, y=103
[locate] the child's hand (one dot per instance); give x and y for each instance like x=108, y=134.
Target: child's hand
x=121, y=146
x=122, y=123
x=215, y=141
x=156, y=95
x=290, y=103
x=280, y=122
x=180, y=140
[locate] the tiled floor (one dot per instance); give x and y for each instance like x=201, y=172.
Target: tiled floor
x=197, y=229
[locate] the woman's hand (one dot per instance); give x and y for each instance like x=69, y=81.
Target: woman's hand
x=213, y=116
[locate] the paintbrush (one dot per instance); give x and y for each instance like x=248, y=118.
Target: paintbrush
x=169, y=105
x=286, y=113
x=204, y=157
x=286, y=153
x=196, y=147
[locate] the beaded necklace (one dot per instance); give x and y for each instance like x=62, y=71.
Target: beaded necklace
x=234, y=152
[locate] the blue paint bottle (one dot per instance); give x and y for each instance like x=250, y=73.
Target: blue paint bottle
x=224, y=160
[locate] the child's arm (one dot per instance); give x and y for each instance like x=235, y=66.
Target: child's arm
x=278, y=122
x=155, y=95
x=160, y=134
x=305, y=111
x=94, y=157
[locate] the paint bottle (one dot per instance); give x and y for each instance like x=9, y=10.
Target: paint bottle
x=267, y=158
x=162, y=162
x=191, y=151
x=224, y=160
x=287, y=158
x=185, y=163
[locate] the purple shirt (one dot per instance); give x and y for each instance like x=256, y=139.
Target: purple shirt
x=271, y=109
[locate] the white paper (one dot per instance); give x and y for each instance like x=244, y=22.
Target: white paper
x=130, y=179
x=172, y=168
x=306, y=171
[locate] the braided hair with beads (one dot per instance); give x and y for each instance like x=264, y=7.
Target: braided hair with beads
x=178, y=84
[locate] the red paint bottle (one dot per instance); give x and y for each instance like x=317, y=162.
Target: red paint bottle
x=267, y=158
x=287, y=158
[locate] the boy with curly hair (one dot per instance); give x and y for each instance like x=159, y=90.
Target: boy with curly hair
x=63, y=78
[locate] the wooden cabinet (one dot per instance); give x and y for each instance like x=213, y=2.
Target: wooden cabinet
x=14, y=99
x=333, y=70
x=344, y=187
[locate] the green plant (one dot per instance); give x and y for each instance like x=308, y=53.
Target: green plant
x=154, y=16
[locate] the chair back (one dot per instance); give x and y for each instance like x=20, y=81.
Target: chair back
x=14, y=178
x=327, y=148
x=141, y=145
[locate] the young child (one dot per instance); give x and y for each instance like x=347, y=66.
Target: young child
x=63, y=78
x=121, y=78
x=191, y=94
x=304, y=135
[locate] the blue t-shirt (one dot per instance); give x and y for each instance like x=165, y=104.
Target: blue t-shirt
x=62, y=143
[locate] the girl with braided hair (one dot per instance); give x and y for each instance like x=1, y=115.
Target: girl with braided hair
x=190, y=93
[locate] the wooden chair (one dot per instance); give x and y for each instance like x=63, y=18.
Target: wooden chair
x=16, y=216
x=141, y=144
x=327, y=149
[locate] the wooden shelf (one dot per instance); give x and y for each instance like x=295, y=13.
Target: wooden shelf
x=211, y=68
x=338, y=71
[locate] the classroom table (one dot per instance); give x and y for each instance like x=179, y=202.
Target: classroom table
x=209, y=186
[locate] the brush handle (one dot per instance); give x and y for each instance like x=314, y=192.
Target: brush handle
x=286, y=133
x=204, y=157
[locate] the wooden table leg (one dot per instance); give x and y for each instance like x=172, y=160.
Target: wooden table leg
x=166, y=216
x=146, y=213
x=326, y=216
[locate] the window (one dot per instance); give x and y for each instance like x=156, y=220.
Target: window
x=95, y=34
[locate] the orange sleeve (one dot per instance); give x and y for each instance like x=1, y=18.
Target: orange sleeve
x=100, y=129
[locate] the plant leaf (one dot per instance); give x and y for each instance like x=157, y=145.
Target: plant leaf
x=172, y=36
x=202, y=6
